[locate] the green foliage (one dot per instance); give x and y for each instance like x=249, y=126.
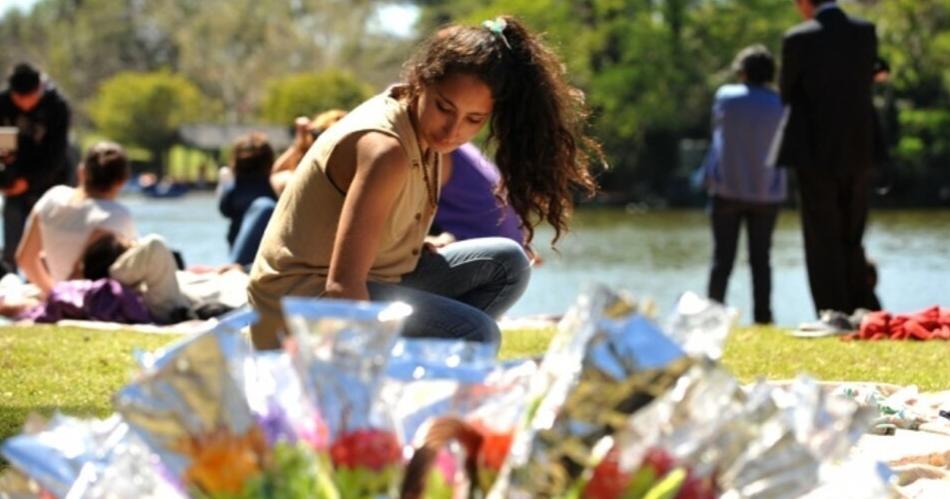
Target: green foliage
x=926, y=139
x=915, y=39
x=307, y=94
x=145, y=109
x=649, y=68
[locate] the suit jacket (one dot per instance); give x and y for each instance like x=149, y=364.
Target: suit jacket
x=826, y=83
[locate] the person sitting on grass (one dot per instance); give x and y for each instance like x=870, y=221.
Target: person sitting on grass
x=250, y=200
x=353, y=222
x=61, y=223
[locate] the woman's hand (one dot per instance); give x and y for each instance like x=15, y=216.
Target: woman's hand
x=358, y=291
x=433, y=243
x=302, y=138
x=19, y=186
x=534, y=258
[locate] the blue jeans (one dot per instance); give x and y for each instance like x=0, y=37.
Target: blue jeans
x=458, y=292
x=252, y=230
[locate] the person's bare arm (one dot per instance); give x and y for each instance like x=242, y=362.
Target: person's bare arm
x=29, y=256
x=287, y=162
x=381, y=169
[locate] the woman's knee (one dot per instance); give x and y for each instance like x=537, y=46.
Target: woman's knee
x=454, y=321
x=483, y=329
x=512, y=258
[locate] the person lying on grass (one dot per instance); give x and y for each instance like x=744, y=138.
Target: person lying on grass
x=170, y=295
x=352, y=222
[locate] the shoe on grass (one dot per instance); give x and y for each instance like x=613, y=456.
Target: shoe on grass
x=830, y=323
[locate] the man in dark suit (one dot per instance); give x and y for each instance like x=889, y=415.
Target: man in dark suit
x=828, y=138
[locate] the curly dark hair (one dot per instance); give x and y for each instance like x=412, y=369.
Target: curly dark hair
x=538, y=124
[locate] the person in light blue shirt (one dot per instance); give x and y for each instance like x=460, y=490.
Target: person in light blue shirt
x=742, y=188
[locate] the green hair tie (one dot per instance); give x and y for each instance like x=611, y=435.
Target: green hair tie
x=497, y=27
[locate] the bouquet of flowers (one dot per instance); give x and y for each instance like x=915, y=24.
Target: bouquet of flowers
x=608, y=363
x=190, y=407
x=69, y=457
x=709, y=437
x=340, y=350
x=458, y=407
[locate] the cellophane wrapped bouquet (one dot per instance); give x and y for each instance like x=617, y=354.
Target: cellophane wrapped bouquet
x=70, y=457
x=606, y=362
x=340, y=350
x=618, y=407
x=190, y=405
x=457, y=408
x=645, y=411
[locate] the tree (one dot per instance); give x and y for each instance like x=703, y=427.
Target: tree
x=146, y=110
x=310, y=93
x=649, y=68
x=229, y=48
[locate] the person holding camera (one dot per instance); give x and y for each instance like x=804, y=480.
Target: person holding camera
x=32, y=105
x=306, y=131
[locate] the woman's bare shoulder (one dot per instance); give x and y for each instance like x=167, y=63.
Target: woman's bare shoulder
x=381, y=149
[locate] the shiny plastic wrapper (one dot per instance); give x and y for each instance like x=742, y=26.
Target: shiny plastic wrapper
x=800, y=431
x=132, y=471
x=453, y=402
x=427, y=379
x=190, y=408
x=769, y=442
x=700, y=326
x=606, y=363
x=340, y=350
x=69, y=455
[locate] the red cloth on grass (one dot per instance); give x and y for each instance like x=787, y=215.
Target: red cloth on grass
x=929, y=324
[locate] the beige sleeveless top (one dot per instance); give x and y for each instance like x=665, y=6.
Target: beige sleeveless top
x=294, y=256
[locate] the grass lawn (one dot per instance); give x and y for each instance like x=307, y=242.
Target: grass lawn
x=76, y=371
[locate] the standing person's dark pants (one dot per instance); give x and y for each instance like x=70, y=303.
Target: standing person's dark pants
x=834, y=211
x=727, y=218
x=15, y=211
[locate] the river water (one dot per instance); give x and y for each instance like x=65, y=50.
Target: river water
x=656, y=254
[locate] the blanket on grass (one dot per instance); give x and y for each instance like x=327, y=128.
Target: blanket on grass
x=929, y=324
x=102, y=300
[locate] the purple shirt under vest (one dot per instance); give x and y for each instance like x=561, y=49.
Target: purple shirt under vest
x=467, y=206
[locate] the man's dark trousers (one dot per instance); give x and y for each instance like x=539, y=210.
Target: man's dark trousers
x=828, y=138
x=16, y=209
x=834, y=211
x=727, y=218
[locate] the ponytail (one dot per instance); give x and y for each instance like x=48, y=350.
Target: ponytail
x=538, y=124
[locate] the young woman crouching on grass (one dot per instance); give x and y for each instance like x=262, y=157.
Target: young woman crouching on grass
x=353, y=221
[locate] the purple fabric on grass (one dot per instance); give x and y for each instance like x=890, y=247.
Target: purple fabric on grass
x=104, y=300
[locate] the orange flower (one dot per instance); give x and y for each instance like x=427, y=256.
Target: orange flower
x=222, y=461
